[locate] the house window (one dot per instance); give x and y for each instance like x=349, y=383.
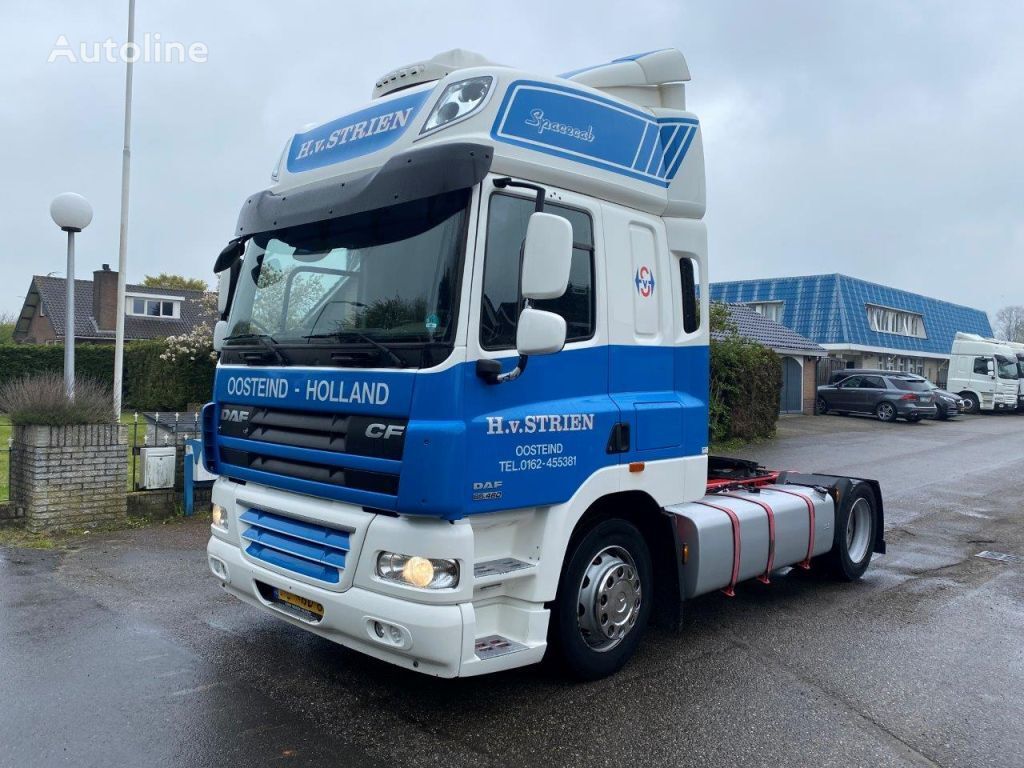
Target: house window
x=896, y=321
x=141, y=307
x=770, y=309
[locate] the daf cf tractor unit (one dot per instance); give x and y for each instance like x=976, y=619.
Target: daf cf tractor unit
x=460, y=418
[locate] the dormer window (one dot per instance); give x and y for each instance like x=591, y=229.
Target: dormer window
x=144, y=306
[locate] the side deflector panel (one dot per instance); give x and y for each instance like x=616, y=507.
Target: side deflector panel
x=744, y=534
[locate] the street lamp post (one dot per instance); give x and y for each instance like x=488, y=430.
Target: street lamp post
x=72, y=213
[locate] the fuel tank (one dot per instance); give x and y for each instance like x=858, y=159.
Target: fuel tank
x=746, y=533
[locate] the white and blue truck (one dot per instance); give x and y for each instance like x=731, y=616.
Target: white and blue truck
x=460, y=418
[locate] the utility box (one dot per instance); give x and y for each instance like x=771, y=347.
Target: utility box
x=158, y=466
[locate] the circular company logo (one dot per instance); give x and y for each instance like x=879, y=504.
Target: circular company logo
x=644, y=280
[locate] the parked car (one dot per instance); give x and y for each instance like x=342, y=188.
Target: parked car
x=947, y=404
x=888, y=395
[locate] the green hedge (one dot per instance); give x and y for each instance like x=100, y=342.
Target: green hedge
x=746, y=383
x=150, y=384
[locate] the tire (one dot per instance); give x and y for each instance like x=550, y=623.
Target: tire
x=854, y=537
x=886, y=411
x=971, y=404
x=822, y=406
x=609, y=563
x=913, y=419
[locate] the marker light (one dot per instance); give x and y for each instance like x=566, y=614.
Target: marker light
x=419, y=572
x=459, y=100
x=219, y=517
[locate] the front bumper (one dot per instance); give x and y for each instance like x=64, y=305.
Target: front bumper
x=436, y=638
x=443, y=633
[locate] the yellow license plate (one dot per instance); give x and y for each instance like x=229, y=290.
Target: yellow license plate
x=300, y=602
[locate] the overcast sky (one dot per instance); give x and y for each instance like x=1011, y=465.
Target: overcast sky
x=882, y=139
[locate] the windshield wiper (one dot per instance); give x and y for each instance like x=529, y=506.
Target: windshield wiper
x=399, y=362
x=264, y=339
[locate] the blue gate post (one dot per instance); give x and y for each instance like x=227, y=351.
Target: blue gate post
x=193, y=453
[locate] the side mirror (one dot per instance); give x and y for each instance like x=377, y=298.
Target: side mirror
x=539, y=332
x=220, y=332
x=232, y=252
x=547, y=256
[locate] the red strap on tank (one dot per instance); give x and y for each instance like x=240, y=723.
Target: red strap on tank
x=731, y=589
x=764, y=578
x=810, y=516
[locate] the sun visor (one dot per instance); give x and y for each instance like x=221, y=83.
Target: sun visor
x=412, y=175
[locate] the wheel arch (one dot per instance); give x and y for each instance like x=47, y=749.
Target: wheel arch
x=659, y=532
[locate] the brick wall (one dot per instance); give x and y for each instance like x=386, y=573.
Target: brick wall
x=64, y=478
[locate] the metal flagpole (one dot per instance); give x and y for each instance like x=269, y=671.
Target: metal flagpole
x=122, y=257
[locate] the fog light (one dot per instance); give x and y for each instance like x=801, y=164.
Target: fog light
x=417, y=571
x=219, y=568
x=219, y=517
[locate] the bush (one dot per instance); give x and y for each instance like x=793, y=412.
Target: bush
x=745, y=386
x=150, y=384
x=41, y=399
x=746, y=380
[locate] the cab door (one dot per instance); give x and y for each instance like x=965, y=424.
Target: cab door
x=536, y=439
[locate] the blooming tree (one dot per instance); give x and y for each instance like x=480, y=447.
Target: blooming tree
x=198, y=342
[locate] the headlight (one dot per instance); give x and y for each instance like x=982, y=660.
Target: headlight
x=458, y=100
x=219, y=517
x=416, y=571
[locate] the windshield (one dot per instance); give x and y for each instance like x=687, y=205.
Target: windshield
x=1006, y=367
x=387, y=275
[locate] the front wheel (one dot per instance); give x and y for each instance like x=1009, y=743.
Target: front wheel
x=822, y=406
x=854, y=538
x=970, y=402
x=603, y=602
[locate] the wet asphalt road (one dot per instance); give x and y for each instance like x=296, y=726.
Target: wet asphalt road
x=120, y=650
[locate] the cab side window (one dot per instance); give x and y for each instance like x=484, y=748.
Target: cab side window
x=507, y=220
x=981, y=365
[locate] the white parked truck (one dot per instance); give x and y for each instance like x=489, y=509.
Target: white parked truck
x=984, y=372
x=1018, y=351
x=460, y=418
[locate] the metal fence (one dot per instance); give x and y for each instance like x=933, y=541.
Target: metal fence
x=154, y=429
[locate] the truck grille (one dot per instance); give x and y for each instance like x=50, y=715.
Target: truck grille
x=313, y=446
x=308, y=549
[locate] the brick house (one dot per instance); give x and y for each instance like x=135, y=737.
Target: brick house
x=150, y=313
x=799, y=356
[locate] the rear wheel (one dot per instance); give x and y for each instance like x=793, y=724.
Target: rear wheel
x=603, y=602
x=854, y=538
x=913, y=419
x=970, y=402
x=885, y=411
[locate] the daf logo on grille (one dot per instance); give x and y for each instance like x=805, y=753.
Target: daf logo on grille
x=234, y=414
x=386, y=431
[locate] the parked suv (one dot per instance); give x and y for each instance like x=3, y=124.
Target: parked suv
x=887, y=395
x=946, y=403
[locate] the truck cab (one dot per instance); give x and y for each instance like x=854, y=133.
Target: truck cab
x=985, y=373
x=1018, y=351
x=460, y=416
